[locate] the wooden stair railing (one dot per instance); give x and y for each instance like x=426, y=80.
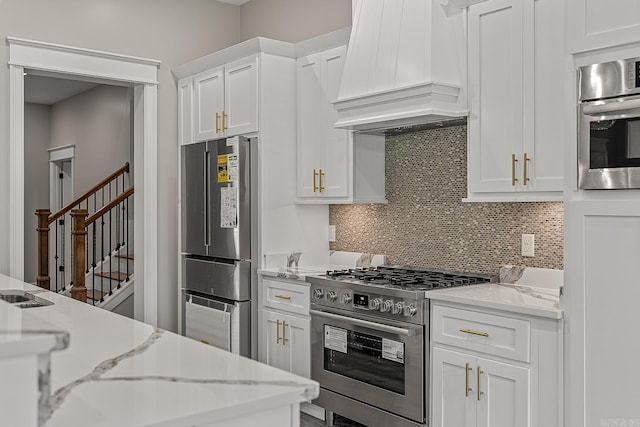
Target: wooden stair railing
x=80, y=225
x=45, y=219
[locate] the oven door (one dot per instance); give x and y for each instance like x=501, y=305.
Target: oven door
x=380, y=364
x=609, y=144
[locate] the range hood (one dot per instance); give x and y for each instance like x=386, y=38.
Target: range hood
x=405, y=66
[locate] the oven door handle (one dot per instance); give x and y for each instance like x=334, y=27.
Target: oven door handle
x=370, y=325
x=611, y=107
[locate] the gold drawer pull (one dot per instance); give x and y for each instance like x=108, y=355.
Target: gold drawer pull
x=278, y=332
x=513, y=170
x=283, y=297
x=467, y=389
x=480, y=372
x=469, y=331
x=284, y=333
x=315, y=186
x=525, y=159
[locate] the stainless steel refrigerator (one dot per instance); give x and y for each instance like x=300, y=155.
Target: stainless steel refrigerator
x=219, y=247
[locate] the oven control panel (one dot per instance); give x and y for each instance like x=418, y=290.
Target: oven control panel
x=378, y=305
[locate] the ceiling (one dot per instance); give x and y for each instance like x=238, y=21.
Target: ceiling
x=50, y=90
x=236, y=2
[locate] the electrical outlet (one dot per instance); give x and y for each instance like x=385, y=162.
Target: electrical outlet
x=528, y=245
x=332, y=233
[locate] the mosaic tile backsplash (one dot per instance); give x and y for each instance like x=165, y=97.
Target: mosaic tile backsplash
x=426, y=224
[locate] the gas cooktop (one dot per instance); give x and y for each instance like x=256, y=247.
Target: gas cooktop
x=407, y=278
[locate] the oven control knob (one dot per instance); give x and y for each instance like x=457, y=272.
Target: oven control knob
x=374, y=304
x=397, y=308
x=386, y=306
x=332, y=296
x=410, y=310
x=346, y=299
x=318, y=293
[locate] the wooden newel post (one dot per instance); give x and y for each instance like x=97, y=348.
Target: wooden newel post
x=79, y=233
x=42, y=279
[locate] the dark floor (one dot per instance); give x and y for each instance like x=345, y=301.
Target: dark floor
x=309, y=421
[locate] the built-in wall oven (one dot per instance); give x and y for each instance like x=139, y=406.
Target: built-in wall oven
x=609, y=125
x=370, y=342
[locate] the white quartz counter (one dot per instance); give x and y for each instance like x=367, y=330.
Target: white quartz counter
x=117, y=371
x=530, y=300
x=295, y=273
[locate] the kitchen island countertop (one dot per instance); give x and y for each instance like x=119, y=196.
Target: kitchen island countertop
x=117, y=371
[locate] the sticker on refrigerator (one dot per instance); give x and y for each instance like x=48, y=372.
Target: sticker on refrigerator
x=233, y=169
x=228, y=207
x=232, y=141
x=223, y=173
x=335, y=338
x=393, y=350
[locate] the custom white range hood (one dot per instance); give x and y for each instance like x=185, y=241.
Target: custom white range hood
x=405, y=65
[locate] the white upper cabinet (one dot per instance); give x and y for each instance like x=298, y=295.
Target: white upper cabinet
x=516, y=134
x=331, y=161
x=595, y=24
x=185, y=107
x=224, y=101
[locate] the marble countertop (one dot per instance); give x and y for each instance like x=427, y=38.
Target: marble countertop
x=117, y=371
x=541, y=302
x=298, y=273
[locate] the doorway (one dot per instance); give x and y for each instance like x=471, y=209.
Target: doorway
x=101, y=67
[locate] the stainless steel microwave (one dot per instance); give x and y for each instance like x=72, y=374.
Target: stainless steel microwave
x=609, y=125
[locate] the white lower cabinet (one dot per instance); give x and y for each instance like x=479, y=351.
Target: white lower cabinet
x=285, y=326
x=494, y=369
x=474, y=391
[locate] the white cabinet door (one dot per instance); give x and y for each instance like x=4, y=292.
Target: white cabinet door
x=209, y=100
x=544, y=112
x=496, y=94
x=504, y=394
x=286, y=343
x=453, y=399
x=185, y=111
x=310, y=152
x=336, y=174
x=297, y=344
x=594, y=24
x=272, y=352
x=240, y=113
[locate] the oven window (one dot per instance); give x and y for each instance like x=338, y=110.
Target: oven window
x=615, y=143
x=367, y=358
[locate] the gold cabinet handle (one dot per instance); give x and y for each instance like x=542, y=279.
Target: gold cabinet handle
x=525, y=159
x=469, y=331
x=283, y=297
x=224, y=126
x=278, y=332
x=513, y=170
x=467, y=389
x=217, y=122
x=321, y=189
x=284, y=333
x=480, y=372
x=315, y=186
x=204, y=341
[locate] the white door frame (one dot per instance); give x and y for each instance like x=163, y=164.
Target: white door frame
x=140, y=73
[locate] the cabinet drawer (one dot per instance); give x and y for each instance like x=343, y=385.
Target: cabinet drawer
x=491, y=334
x=288, y=296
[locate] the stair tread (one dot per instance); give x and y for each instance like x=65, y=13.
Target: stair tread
x=113, y=275
x=125, y=256
x=95, y=294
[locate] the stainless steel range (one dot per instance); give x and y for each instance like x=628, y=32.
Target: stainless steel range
x=370, y=341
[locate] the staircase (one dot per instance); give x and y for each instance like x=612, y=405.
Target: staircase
x=98, y=247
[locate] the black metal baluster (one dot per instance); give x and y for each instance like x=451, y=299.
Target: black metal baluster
x=86, y=252
x=127, y=240
x=56, y=254
x=102, y=257
x=71, y=251
x=110, y=251
x=93, y=264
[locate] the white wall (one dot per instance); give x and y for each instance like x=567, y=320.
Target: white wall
x=98, y=123
x=171, y=31
x=36, y=179
x=293, y=20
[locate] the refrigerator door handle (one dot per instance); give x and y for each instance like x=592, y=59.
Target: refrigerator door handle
x=207, y=202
